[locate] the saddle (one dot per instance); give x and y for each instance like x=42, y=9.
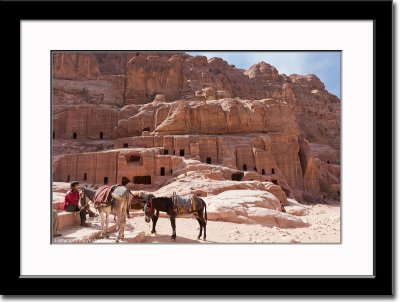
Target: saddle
x=102, y=198
x=184, y=204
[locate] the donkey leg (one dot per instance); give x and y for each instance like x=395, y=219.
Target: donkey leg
x=201, y=227
x=172, y=218
x=122, y=224
x=102, y=223
x=203, y=224
x=107, y=214
x=205, y=227
x=154, y=218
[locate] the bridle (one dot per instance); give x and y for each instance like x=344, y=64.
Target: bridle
x=149, y=205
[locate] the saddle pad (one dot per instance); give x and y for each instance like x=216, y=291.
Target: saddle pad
x=185, y=204
x=102, y=194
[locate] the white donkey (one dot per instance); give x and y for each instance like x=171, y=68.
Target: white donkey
x=120, y=200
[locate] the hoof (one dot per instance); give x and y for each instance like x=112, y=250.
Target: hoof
x=116, y=241
x=204, y=239
x=107, y=236
x=153, y=232
x=198, y=238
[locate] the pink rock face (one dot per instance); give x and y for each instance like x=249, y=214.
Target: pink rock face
x=169, y=108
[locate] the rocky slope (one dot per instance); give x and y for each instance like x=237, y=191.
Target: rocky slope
x=114, y=96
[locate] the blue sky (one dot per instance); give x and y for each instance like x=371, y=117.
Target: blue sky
x=325, y=65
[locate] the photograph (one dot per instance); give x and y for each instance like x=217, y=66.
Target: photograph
x=189, y=147
x=251, y=148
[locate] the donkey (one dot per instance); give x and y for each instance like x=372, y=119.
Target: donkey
x=120, y=200
x=154, y=205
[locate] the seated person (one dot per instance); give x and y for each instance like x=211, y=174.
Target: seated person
x=71, y=204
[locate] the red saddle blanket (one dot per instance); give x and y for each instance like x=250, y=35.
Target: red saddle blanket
x=102, y=194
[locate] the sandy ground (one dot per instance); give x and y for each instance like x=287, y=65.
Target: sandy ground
x=324, y=227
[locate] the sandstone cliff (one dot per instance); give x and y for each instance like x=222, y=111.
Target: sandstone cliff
x=120, y=96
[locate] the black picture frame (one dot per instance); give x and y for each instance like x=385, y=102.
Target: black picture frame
x=379, y=11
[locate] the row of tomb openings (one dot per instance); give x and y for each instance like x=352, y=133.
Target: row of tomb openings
x=101, y=135
x=238, y=176
x=75, y=135
x=181, y=151
x=145, y=180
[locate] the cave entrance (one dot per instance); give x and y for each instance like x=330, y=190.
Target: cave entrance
x=142, y=180
x=134, y=158
x=85, y=176
x=125, y=145
x=105, y=180
x=273, y=171
x=68, y=178
x=74, y=135
x=54, y=135
x=162, y=171
x=274, y=181
x=328, y=162
x=237, y=176
x=101, y=135
x=182, y=152
x=208, y=160
x=263, y=171
x=245, y=167
x=166, y=152
x=146, y=129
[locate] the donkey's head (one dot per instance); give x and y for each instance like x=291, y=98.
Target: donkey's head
x=148, y=210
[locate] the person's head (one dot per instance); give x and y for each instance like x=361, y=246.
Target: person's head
x=74, y=186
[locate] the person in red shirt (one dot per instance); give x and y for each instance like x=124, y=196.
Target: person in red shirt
x=71, y=203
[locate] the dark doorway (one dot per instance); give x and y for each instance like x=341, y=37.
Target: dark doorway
x=166, y=152
x=74, y=135
x=273, y=171
x=245, y=167
x=85, y=176
x=101, y=135
x=162, y=171
x=182, y=152
x=263, y=171
x=146, y=129
x=68, y=178
x=143, y=180
x=125, y=180
x=255, y=169
x=173, y=152
x=338, y=193
x=105, y=180
x=125, y=145
x=237, y=176
x=171, y=171
x=208, y=160
x=54, y=135
x=328, y=162
x=134, y=158
x=274, y=181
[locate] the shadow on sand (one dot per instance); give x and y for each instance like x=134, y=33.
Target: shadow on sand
x=167, y=239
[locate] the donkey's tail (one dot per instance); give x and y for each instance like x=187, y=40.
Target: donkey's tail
x=205, y=211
